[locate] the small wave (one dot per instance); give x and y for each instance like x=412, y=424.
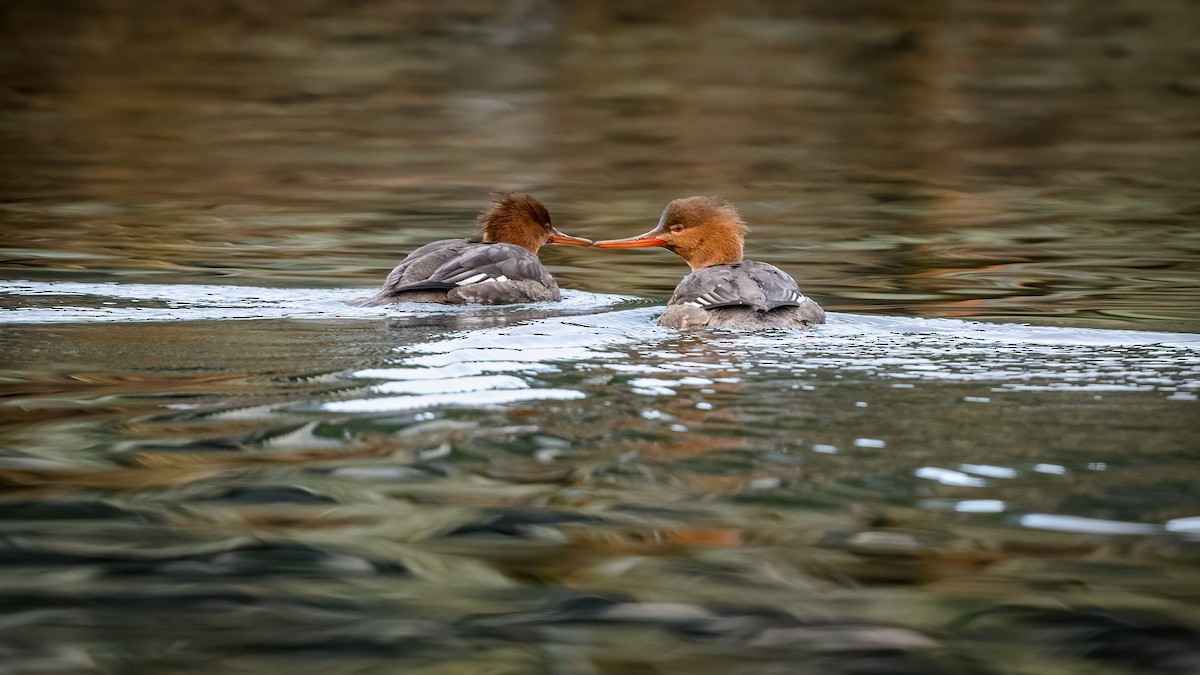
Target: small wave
x=854, y=326
x=633, y=355
x=591, y=331
x=75, y=302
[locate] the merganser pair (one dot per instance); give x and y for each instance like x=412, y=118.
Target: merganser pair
x=723, y=290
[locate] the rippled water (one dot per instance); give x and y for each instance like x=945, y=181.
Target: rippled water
x=986, y=462
x=569, y=486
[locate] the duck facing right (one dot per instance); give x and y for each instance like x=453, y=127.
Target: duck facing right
x=723, y=290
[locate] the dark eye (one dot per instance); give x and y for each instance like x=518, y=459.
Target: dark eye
x=677, y=228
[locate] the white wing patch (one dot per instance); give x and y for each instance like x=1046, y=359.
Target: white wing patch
x=473, y=279
x=481, y=278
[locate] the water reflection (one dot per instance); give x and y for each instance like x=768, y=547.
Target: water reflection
x=316, y=487
x=687, y=508
x=995, y=160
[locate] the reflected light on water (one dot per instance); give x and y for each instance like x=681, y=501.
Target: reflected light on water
x=984, y=463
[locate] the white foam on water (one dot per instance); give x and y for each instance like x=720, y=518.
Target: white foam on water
x=1056, y=523
x=452, y=385
x=1055, y=469
x=1188, y=527
x=980, y=506
x=988, y=470
x=470, y=399
x=949, y=477
x=459, y=369
x=113, y=302
x=586, y=333
x=494, y=366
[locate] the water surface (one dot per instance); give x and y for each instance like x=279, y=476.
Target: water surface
x=984, y=463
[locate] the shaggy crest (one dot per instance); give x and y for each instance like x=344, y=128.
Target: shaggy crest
x=709, y=209
x=512, y=211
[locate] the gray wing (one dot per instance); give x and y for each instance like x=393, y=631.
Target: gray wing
x=750, y=284
x=422, y=262
x=467, y=263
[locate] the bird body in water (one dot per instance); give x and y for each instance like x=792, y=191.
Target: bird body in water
x=499, y=268
x=723, y=290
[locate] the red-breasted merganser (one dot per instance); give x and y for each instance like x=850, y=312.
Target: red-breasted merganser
x=500, y=268
x=723, y=290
